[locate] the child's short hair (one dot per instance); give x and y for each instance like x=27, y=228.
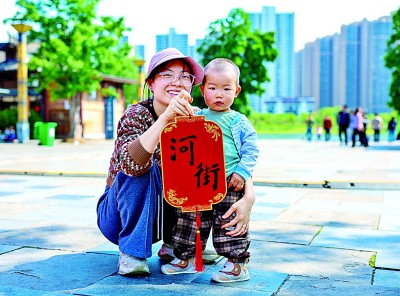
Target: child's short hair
x=220, y=64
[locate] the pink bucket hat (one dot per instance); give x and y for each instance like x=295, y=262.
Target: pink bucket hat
x=169, y=54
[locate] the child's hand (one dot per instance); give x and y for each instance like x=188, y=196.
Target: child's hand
x=236, y=182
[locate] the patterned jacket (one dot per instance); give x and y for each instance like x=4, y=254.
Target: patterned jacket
x=129, y=157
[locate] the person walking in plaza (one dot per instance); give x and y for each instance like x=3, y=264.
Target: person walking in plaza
x=377, y=124
x=127, y=209
x=343, y=121
x=363, y=134
x=309, y=125
x=318, y=132
x=357, y=127
x=392, y=130
x=327, y=127
x=220, y=87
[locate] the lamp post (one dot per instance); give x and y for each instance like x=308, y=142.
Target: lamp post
x=140, y=63
x=22, y=83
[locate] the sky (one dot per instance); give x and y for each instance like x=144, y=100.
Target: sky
x=313, y=18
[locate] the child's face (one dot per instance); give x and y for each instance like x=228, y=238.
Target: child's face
x=220, y=89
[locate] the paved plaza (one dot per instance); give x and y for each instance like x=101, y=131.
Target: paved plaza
x=325, y=222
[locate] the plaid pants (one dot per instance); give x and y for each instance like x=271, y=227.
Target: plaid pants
x=184, y=233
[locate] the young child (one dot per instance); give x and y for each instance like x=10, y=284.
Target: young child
x=220, y=87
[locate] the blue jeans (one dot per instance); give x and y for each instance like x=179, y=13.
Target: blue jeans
x=126, y=211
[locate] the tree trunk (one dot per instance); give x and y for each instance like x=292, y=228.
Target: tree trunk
x=75, y=118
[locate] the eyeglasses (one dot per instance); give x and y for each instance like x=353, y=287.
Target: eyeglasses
x=184, y=78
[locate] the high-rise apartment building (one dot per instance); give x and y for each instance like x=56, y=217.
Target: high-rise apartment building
x=140, y=51
x=282, y=70
x=193, y=50
x=347, y=68
x=172, y=39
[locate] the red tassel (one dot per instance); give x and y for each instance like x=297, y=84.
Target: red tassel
x=199, y=247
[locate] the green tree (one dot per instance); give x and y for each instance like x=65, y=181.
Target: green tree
x=392, y=61
x=76, y=47
x=233, y=38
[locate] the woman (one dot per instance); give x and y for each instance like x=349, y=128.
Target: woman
x=127, y=209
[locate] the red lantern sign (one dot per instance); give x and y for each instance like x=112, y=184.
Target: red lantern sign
x=193, y=164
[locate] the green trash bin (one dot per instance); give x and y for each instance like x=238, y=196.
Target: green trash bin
x=47, y=133
x=36, y=129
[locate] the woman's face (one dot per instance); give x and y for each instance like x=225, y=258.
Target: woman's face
x=163, y=90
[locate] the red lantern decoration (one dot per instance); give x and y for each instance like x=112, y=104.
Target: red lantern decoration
x=193, y=167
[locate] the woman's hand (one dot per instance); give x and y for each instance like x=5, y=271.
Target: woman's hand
x=242, y=209
x=179, y=106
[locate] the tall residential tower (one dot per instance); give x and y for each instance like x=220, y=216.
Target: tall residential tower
x=347, y=68
x=282, y=71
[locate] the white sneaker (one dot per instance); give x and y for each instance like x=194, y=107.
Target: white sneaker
x=178, y=266
x=232, y=272
x=131, y=265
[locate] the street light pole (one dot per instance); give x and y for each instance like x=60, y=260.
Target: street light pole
x=22, y=84
x=140, y=63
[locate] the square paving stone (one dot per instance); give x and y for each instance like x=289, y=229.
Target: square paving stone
x=389, y=259
x=54, y=236
x=260, y=280
x=278, y=195
x=283, y=232
x=390, y=221
x=16, y=291
x=9, y=224
x=52, y=270
x=358, y=239
x=10, y=210
x=338, y=264
x=347, y=195
x=358, y=207
x=329, y=218
x=61, y=212
x=310, y=286
x=315, y=205
x=387, y=278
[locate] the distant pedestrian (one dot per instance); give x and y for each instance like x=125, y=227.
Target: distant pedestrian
x=357, y=125
x=392, y=129
x=364, y=136
x=327, y=127
x=9, y=135
x=319, y=132
x=377, y=124
x=343, y=121
x=309, y=124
